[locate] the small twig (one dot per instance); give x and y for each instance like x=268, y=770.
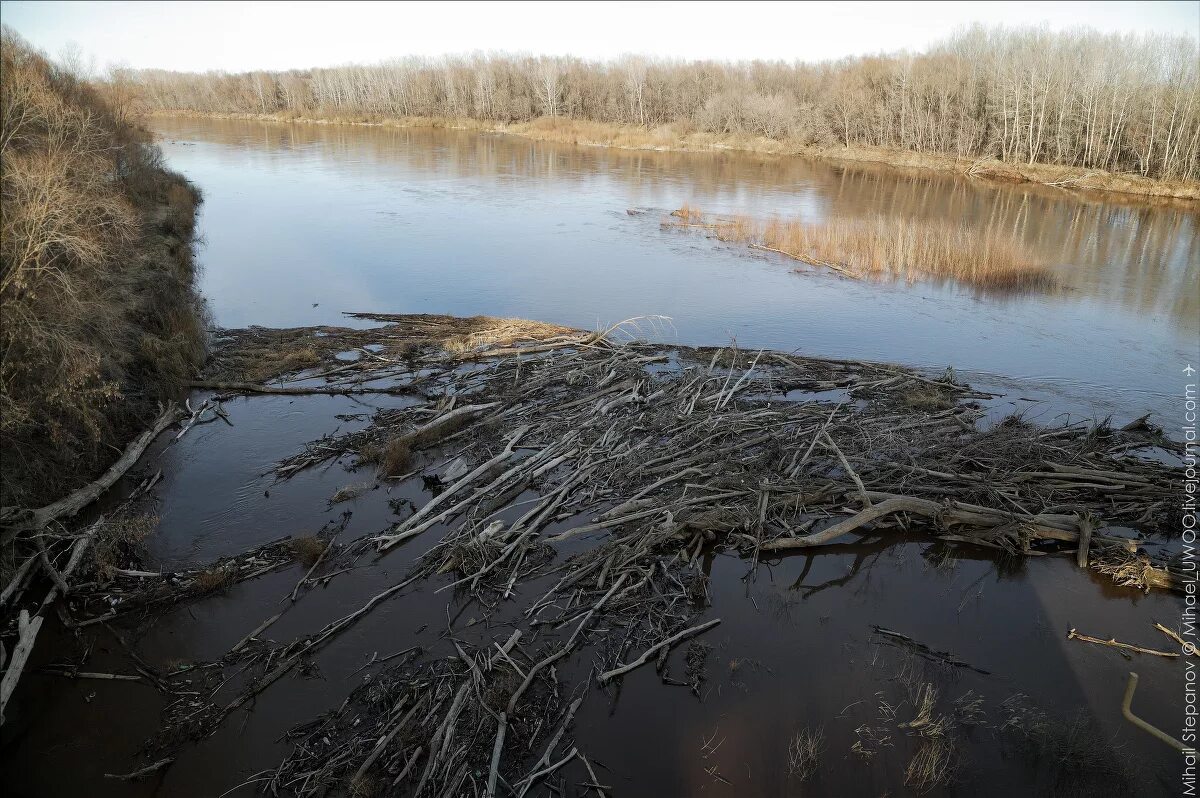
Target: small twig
x=146, y=771
x=1113, y=643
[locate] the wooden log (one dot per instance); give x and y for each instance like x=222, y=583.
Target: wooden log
x=410, y=526
x=76, y=501
x=1085, y=541
x=648, y=653
x=1064, y=528
x=384, y=741
x=146, y=771
x=1188, y=648
x=27, y=631
x=18, y=580
x=896, y=504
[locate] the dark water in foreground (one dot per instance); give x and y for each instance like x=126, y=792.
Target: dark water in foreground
x=365, y=219
x=795, y=649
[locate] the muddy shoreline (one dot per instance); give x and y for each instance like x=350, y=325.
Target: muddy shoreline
x=541, y=548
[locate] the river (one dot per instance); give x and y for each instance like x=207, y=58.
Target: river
x=302, y=222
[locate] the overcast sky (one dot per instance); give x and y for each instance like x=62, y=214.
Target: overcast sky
x=244, y=36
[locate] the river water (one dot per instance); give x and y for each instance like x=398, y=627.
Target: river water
x=302, y=222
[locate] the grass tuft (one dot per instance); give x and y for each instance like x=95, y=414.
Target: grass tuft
x=214, y=580
x=397, y=456
x=804, y=753
x=307, y=550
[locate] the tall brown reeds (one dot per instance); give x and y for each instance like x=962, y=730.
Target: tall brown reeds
x=885, y=247
x=100, y=319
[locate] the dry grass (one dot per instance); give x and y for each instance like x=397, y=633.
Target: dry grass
x=933, y=765
x=267, y=365
x=887, y=247
x=926, y=399
x=804, y=753
x=397, y=456
x=924, y=700
x=307, y=550
x=1133, y=570
x=100, y=319
x=499, y=333
x=432, y=435
x=298, y=360
x=936, y=760
x=600, y=134
x=214, y=580
x=364, y=786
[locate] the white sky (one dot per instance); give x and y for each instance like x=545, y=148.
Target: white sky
x=242, y=36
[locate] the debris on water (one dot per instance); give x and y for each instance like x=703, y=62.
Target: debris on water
x=575, y=482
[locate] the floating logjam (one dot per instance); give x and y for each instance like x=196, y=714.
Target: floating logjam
x=581, y=479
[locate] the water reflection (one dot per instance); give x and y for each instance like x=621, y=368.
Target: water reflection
x=303, y=221
x=1144, y=257
x=1131, y=253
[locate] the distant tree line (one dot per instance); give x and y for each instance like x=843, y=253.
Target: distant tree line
x=1125, y=103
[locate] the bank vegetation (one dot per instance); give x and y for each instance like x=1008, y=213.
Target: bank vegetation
x=1079, y=108
x=100, y=319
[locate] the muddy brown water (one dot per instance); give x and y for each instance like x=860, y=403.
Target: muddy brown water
x=395, y=220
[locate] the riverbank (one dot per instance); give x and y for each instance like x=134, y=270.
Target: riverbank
x=671, y=138
x=102, y=322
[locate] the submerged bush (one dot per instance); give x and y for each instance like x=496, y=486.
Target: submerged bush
x=884, y=247
x=101, y=322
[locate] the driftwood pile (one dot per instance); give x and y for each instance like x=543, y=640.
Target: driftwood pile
x=576, y=482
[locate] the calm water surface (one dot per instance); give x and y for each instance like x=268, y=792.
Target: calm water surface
x=305, y=221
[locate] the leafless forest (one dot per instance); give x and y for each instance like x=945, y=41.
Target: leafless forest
x=1122, y=103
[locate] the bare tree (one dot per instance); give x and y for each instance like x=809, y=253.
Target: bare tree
x=1025, y=95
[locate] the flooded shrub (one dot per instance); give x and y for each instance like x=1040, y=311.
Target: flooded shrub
x=884, y=247
x=348, y=492
x=119, y=540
